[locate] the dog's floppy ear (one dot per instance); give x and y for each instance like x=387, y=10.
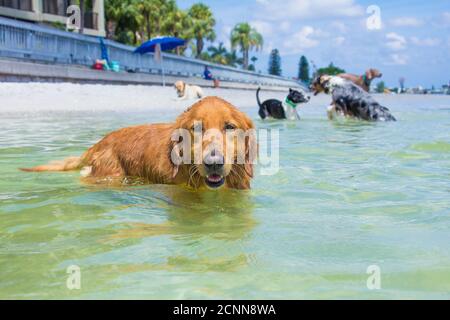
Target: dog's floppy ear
x=369, y=74
x=179, y=140
x=324, y=81
x=251, y=147
x=174, y=152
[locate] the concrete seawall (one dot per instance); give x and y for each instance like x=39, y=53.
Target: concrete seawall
x=12, y=70
x=56, y=55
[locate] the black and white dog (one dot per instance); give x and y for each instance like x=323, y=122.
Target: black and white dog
x=287, y=109
x=350, y=100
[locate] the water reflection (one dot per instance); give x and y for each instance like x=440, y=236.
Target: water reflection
x=225, y=215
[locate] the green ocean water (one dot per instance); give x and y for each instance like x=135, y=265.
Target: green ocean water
x=348, y=195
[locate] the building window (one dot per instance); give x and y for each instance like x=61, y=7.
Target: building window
x=91, y=20
x=56, y=7
x=25, y=5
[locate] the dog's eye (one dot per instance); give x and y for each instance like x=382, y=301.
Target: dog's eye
x=230, y=126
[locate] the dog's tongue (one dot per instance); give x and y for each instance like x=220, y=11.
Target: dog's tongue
x=214, y=178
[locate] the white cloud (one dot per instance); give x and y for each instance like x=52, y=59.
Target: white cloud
x=339, y=26
x=224, y=36
x=426, y=42
x=285, y=26
x=446, y=18
x=395, y=41
x=303, y=39
x=263, y=27
x=406, y=22
x=397, y=59
x=291, y=9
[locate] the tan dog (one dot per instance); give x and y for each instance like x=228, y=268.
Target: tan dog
x=186, y=91
x=363, y=81
x=146, y=151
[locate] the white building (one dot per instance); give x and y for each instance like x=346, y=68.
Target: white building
x=54, y=11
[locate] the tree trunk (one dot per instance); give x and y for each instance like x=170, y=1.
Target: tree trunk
x=111, y=29
x=245, y=64
x=147, y=25
x=178, y=49
x=199, y=47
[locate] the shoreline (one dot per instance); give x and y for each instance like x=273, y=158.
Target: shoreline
x=43, y=97
x=48, y=96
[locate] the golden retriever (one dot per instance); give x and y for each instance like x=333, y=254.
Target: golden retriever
x=186, y=91
x=147, y=152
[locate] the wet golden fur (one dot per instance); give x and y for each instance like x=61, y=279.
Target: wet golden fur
x=144, y=151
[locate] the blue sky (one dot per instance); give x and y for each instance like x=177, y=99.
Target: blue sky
x=413, y=41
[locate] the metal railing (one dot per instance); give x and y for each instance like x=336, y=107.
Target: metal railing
x=38, y=43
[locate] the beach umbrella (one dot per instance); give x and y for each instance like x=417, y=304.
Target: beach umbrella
x=157, y=45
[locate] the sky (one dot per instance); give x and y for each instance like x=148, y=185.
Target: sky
x=401, y=38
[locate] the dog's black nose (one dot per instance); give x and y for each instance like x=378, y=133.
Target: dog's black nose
x=214, y=161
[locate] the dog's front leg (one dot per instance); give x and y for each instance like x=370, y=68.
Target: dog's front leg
x=331, y=112
x=181, y=98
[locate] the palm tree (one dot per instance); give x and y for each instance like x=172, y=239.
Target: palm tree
x=114, y=12
x=218, y=54
x=178, y=24
x=153, y=15
x=203, y=23
x=247, y=38
x=123, y=20
x=232, y=59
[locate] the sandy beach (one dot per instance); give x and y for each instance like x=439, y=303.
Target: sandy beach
x=32, y=97
x=88, y=97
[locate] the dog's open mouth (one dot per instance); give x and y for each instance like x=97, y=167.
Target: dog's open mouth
x=215, y=181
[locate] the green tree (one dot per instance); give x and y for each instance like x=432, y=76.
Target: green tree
x=134, y=21
x=252, y=66
x=381, y=87
x=123, y=20
x=178, y=24
x=218, y=54
x=275, y=63
x=303, y=72
x=203, y=23
x=331, y=70
x=154, y=14
x=247, y=38
x=233, y=60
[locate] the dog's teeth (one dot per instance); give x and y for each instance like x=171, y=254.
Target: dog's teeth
x=215, y=178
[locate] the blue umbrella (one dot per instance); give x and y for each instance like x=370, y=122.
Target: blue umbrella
x=166, y=44
x=159, y=44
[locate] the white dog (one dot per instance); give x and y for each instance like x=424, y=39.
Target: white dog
x=186, y=91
